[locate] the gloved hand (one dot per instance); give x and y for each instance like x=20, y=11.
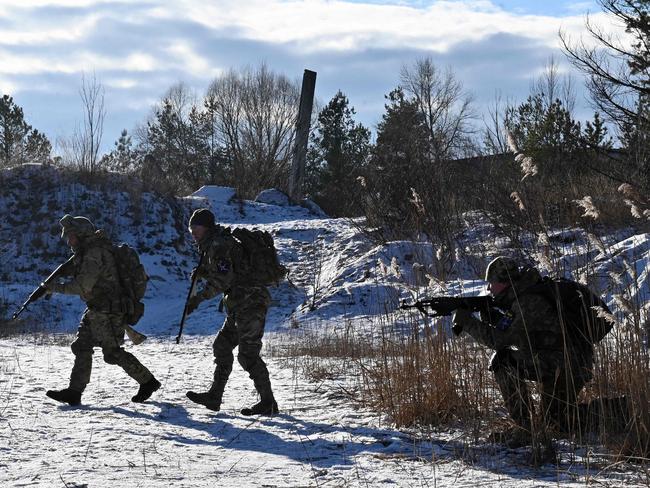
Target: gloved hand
x=461, y=317
x=193, y=303
x=51, y=287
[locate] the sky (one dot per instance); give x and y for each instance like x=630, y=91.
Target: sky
x=138, y=49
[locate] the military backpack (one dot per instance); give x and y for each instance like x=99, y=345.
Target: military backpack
x=578, y=309
x=261, y=263
x=133, y=280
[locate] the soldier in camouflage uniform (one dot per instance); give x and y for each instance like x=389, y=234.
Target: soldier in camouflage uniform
x=94, y=278
x=246, y=305
x=529, y=345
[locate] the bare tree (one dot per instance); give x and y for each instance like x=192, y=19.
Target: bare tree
x=618, y=71
x=553, y=86
x=495, y=134
x=445, y=105
x=254, y=113
x=92, y=98
x=81, y=149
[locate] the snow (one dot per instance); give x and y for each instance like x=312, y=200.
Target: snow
x=273, y=197
x=322, y=436
x=216, y=195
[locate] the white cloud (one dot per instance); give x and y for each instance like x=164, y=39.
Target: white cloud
x=120, y=83
x=319, y=25
x=40, y=31
x=30, y=4
x=137, y=61
x=7, y=86
x=186, y=56
x=307, y=26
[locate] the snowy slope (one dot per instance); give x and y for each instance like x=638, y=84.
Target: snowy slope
x=336, y=273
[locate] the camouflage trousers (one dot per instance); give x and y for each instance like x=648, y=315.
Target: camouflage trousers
x=243, y=327
x=560, y=379
x=105, y=330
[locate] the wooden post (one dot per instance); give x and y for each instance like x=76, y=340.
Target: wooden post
x=302, y=134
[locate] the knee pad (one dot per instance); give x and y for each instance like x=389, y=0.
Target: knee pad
x=77, y=348
x=248, y=355
x=110, y=357
x=245, y=361
x=501, y=360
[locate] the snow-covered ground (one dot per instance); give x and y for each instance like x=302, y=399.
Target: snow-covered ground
x=321, y=437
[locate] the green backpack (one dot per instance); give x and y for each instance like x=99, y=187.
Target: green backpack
x=261, y=263
x=575, y=304
x=133, y=279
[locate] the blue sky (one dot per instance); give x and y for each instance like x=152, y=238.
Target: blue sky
x=138, y=49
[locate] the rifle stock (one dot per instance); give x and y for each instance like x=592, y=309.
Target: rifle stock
x=135, y=336
x=189, y=295
x=442, y=306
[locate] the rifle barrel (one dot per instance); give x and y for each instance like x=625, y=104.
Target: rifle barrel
x=189, y=295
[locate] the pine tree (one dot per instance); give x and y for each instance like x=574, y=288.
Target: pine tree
x=19, y=143
x=123, y=158
x=337, y=156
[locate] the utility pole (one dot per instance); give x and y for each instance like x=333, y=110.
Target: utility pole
x=302, y=134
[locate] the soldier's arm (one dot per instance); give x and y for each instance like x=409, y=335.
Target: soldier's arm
x=67, y=269
x=217, y=271
x=88, y=274
x=496, y=335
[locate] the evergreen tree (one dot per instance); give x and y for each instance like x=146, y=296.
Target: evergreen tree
x=398, y=163
x=123, y=158
x=177, y=141
x=337, y=155
x=38, y=148
x=19, y=143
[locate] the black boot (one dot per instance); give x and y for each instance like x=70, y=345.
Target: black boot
x=211, y=399
x=263, y=407
x=146, y=390
x=267, y=404
x=207, y=399
x=71, y=397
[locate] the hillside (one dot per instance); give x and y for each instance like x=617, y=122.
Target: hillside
x=335, y=272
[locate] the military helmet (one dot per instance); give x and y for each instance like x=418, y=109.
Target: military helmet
x=502, y=270
x=80, y=226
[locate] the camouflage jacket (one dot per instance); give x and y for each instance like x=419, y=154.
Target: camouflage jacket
x=222, y=257
x=529, y=322
x=94, y=274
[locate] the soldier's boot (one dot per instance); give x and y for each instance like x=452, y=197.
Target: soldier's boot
x=211, y=399
x=146, y=390
x=267, y=404
x=206, y=399
x=67, y=395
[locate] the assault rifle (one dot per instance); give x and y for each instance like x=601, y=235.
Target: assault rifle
x=441, y=306
x=190, y=294
x=42, y=288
